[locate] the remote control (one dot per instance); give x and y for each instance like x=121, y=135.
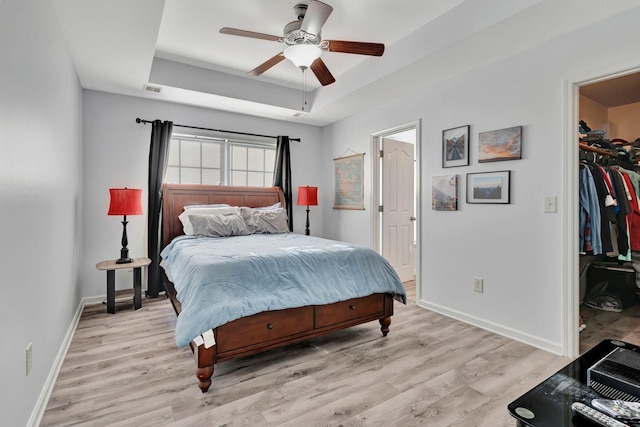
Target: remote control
x=619, y=409
x=596, y=416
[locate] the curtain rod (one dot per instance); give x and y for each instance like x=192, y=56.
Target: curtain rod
x=139, y=120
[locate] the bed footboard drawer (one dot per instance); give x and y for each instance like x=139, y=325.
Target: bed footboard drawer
x=263, y=327
x=343, y=311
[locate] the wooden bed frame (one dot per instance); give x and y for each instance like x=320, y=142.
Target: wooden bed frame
x=269, y=329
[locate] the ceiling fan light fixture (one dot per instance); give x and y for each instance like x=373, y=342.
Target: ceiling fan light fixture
x=302, y=55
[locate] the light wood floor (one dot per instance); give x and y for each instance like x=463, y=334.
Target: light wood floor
x=605, y=324
x=125, y=369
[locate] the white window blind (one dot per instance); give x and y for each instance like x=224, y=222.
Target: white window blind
x=195, y=159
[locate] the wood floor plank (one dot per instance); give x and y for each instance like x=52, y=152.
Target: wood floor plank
x=158, y=417
x=125, y=369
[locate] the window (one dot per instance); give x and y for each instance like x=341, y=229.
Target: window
x=220, y=161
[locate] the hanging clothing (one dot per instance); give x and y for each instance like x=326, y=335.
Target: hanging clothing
x=590, y=238
x=609, y=210
x=621, y=196
x=607, y=214
x=634, y=216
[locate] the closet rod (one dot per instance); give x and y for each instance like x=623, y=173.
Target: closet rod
x=139, y=120
x=586, y=147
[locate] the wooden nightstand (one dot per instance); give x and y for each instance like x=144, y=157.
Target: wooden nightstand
x=111, y=268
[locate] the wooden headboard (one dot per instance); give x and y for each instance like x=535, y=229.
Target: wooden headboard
x=176, y=196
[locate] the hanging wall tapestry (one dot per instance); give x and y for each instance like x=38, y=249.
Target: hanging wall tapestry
x=348, y=177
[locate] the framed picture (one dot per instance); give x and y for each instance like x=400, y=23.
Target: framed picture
x=349, y=188
x=455, y=147
x=501, y=144
x=444, y=193
x=489, y=187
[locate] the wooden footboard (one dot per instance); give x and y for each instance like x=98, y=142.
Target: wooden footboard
x=272, y=329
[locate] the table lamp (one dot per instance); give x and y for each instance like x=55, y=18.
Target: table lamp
x=307, y=196
x=125, y=201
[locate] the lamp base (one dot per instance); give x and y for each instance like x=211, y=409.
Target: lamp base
x=124, y=252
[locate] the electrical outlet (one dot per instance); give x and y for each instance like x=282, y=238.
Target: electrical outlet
x=478, y=284
x=550, y=204
x=29, y=358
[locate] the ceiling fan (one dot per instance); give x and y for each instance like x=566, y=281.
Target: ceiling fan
x=305, y=44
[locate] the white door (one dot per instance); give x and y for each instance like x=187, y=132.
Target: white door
x=398, y=206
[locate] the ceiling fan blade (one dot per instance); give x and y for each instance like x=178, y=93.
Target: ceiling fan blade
x=322, y=72
x=266, y=65
x=359, y=48
x=315, y=17
x=250, y=34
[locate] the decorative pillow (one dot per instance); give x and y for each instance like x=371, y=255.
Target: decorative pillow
x=273, y=206
x=218, y=225
x=184, y=216
x=215, y=205
x=265, y=221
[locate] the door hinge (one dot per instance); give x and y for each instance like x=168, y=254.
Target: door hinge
x=380, y=208
x=381, y=153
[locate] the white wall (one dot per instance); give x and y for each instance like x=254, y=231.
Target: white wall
x=594, y=114
x=516, y=248
x=626, y=120
x=40, y=200
x=622, y=121
x=116, y=154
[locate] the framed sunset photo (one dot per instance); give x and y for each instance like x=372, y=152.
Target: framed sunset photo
x=501, y=144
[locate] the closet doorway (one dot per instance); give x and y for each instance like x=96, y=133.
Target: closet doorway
x=395, y=198
x=609, y=114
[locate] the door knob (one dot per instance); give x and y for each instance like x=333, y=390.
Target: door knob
x=412, y=218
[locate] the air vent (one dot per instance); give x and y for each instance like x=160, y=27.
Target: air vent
x=154, y=89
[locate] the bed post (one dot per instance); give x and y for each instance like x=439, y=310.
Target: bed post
x=385, y=322
x=205, y=359
x=384, y=325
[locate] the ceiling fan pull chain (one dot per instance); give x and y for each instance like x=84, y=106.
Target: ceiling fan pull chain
x=304, y=89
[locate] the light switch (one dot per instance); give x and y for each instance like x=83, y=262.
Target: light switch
x=550, y=204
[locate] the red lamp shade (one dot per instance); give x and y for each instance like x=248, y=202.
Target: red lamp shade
x=308, y=196
x=125, y=201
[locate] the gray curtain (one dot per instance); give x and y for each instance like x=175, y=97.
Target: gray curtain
x=158, y=158
x=282, y=174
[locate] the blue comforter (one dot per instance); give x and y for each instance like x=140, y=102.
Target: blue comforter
x=222, y=279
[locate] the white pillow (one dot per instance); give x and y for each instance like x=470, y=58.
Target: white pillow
x=273, y=206
x=215, y=205
x=265, y=221
x=184, y=216
x=218, y=225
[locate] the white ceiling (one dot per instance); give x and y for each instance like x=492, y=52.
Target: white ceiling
x=190, y=31
x=120, y=46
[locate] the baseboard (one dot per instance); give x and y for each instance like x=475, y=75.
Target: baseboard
x=514, y=334
x=45, y=394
